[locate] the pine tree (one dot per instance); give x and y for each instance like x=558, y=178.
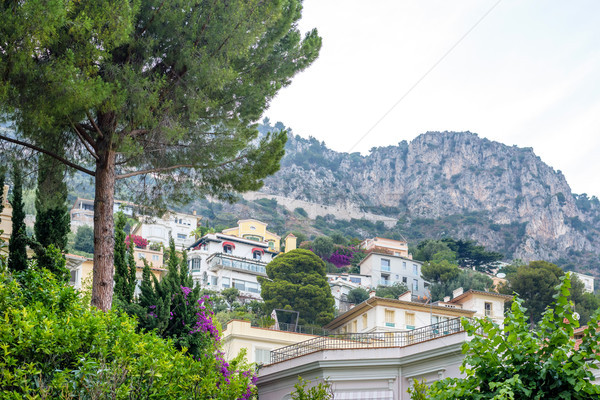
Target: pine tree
x=17, y=246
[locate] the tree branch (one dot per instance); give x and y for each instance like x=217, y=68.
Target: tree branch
x=85, y=143
x=149, y=171
x=51, y=154
x=100, y=134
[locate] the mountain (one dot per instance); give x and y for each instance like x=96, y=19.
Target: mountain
x=449, y=184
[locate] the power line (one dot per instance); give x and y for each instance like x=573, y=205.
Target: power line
x=424, y=75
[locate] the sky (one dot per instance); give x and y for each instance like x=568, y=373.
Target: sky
x=523, y=73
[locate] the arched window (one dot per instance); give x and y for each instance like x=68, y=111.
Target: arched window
x=257, y=255
x=227, y=249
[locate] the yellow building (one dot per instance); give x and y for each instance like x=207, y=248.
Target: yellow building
x=256, y=230
x=258, y=342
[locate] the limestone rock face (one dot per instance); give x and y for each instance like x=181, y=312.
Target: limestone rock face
x=442, y=174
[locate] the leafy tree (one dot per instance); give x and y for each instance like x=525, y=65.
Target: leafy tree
x=427, y=248
x=338, y=238
x=230, y=295
x=165, y=94
x=17, y=245
x=298, y=282
x=391, y=292
x=466, y=279
x=323, y=247
x=514, y=362
x=439, y=271
x=84, y=239
x=125, y=267
x=357, y=296
x=418, y=391
x=534, y=284
x=471, y=255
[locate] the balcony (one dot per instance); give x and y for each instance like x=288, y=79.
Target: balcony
x=385, y=282
x=237, y=264
x=372, y=340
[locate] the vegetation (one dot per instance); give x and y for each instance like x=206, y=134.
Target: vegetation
x=171, y=91
x=17, y=246
x=391, y=292
x=514, y=362
x=320, y=391
x=357, y=296
x=84, y=239
x=125, y=268
x=297, y=282
x=58, y=346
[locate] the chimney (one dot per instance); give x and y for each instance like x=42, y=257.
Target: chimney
x=406, y=296
x=457, y=292
x=290, y=242
x=446, y=299
x=194, y=212
x=371, y=294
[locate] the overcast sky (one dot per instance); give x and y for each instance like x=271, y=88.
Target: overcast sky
x=528, y=73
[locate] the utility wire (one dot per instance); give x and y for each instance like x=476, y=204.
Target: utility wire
x=424, y=75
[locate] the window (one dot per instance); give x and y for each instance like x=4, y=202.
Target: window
x=196, y=262
x=385, y=264
x=415, y=269
x=227, y=249
x=257, y=255
x=488, y=309
x=364, y=320
x=415, y=285
x=155, y=257
x=225, y=282
x=213, y=280
x=404, y=279
x=181, y=236
x=410, y=320
x=73, y=276
x=252, y=287
x=390, y=318
x=240, y=285
x=355, y=326
x=141, y=255
x=403, y=264
x=262, y=356
x=355, y=280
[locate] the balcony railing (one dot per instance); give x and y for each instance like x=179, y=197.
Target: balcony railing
x=307, y=329
x=246, y=265
x=370, y=340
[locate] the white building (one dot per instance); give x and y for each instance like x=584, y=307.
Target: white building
x=218, y=261
x=387, y=269
x=380, y=348
x=342, y=284
x=180, y=226
x=588, y=281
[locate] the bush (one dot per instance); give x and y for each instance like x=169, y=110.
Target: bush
x=84, y=239
x=57, y=346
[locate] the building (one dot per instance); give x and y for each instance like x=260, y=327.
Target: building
x=588, y=281
x=255, y=230
x=386, y=246
x=379, y=348
x=82, y=212
x=218, y=261
x=386, y=269
x=257, y=342
x=342, y=284
x=5, y=216
x=180, y=226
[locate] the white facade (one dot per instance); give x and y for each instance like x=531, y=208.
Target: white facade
x=180, y=226
x=219, y=261
x=588, y=281
x=388, y=269
x=342, y=284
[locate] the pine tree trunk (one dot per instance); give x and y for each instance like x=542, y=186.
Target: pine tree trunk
x=104, y=241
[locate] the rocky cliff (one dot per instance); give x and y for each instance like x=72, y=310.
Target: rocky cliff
x=456, y=183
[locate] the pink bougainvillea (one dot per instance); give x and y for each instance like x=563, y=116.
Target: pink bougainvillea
x=138, y=241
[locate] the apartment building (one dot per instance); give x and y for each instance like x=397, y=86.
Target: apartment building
x=386, y=269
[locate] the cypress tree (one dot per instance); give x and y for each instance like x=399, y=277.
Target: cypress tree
x=121, y=270
x=131, y=277
x=17, y=246
x=52, y=223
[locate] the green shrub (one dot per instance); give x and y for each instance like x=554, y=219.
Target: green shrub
x=53, y=345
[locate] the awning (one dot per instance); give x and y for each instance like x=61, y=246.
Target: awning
x=229, y=244
x=258, y=249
